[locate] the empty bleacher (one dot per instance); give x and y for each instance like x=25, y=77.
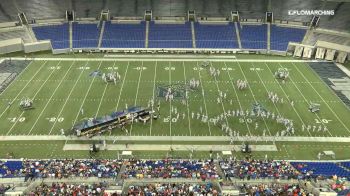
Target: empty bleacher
x=253, y=36
x=328, y=38
x=281, y=36
x=326, y=169
x=58, y=34
x=170, y=35
x=124, y=35
x=85, y=35
x=215, y=36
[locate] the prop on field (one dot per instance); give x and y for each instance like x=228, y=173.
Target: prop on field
x=171, y=92
x=214, y=72
x=205, y=64
x=111, y=77
x=194, y=84
x=119, y=119
x=282, y=73
x=242, y=84
x=26, y=104
x=314, y=107
x=95, y=73
x=258, y=109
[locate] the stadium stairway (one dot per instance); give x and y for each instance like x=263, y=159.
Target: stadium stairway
x=147, y=33
x=268, y=36
x=193, y=35
x=307, y=36
x=238, y=36
x=101, y=34
x=70, y=34
x=30, y=32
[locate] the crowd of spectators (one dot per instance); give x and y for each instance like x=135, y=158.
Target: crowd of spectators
x=71, y=168
x=168, y=189
x=272, y=189
x=198, y=169
x=257, y=169
x=95, y=189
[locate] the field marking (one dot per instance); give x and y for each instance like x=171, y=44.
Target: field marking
x=86, y=94
x=279, y=113
x=245, y=78
x=192, y=58
x=66, y=101
x=171, y=119
x=153, y=98
x=42, y=85
x=103, y=94
x=188, y=109
x=287, y=97
x=305, y=99
x=137, y=92
x=121, y=88
x=47, y=103
x=222, y=104
x=239, y=102
x=42, y=65
x=17, y=76
x=322, y=99
x=204, y=100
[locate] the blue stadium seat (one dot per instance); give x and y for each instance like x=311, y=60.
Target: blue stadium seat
x=327, y=169
x=58, y=34
x=124, y=35
x=281, y=36
x=215, y=36
x=170, y=35
x=254, y=36
x=85, y=35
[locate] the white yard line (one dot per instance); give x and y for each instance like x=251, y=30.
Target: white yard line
x=86, y=94
x=121, y=88
x=290, y=78
x=42, y=85
x=137, y=93
x=234, y=89
x=103, y=94
x=66, y=101
x=322, y=99
x=204, y=100
x=153, y=98
x=222, y=104
x=251, y=91
x=170, y=100
x=42, y=65
x=213, y=58
x=47, y=103
x=187, y=104
x=287, y=97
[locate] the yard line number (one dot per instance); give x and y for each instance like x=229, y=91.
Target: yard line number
x=15, y=119
x=325, y=121
x=54, y=119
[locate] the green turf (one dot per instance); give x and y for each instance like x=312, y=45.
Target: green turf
x=61, y=88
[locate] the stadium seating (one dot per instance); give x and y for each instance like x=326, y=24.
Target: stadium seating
x=170, y=35
x=346, y=164
x=281, y=36
x=85, y=35
x=18, y=33
x=58, y=34
x=10, y=168
x=215, y=36
x=326, y=169
x=124, y=35
x=254, y=36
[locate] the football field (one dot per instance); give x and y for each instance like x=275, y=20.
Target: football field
x=67, y=91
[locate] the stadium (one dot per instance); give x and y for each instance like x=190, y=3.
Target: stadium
x=174, y=97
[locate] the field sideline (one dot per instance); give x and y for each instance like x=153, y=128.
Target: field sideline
x=61, y=88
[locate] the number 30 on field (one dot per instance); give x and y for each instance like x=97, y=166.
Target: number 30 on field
x=322, y=121
x=20, y=119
